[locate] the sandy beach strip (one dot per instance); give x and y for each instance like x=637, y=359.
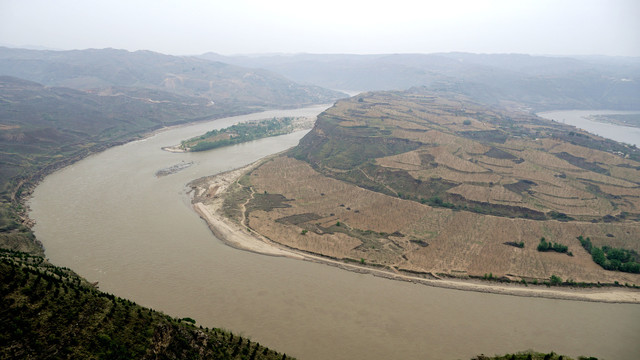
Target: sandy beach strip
x=240, y=237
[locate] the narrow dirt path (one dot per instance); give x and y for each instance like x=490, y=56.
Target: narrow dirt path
x=243, y=207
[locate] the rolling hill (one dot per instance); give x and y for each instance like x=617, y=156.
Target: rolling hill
x=439, y=185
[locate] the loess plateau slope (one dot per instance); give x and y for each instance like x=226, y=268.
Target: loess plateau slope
x=440, y=186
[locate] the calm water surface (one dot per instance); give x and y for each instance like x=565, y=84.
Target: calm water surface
x=110, y=219
x=578, y=118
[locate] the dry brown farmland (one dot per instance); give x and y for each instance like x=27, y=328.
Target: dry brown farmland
x=410, y=182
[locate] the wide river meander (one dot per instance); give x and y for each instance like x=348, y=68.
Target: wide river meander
x=109, y=218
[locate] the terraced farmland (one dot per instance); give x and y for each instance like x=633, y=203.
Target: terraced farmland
x=440, y=186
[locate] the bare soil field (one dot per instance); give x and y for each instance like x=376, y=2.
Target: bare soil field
x=431, y=188
x=399, y=234
x=209, y=198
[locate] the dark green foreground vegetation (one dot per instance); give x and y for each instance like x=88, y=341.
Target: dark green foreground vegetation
x=48, y=312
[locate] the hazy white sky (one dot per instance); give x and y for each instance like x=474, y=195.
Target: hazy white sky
x=563, y=27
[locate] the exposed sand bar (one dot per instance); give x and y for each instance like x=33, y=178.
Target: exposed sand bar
x=208, y=204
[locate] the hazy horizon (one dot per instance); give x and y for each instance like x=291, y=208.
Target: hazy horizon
x=44, y=48
x=246, y=27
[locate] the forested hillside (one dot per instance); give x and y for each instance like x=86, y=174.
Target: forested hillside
x=48, y=312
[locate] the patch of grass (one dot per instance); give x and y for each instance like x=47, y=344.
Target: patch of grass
x=582, y=163
x=299, y=218
x=234, y=197
x=499, y=154
x=494, y=136
x=267, y=202
x=520, y=187
x=559, y=216
x=347, y=147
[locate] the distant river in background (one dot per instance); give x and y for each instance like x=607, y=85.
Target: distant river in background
x=109, y=218
x=579, y=119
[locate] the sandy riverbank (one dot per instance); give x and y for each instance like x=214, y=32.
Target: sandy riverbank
x=208, y=204
x=174, y=149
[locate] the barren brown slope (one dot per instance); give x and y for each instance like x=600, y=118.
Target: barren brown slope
x=430, y=185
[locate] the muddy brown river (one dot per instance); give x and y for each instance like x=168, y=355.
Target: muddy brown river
x=109, y=218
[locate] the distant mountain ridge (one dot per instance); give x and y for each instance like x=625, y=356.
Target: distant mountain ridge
x=538, y=82
x=221, y=83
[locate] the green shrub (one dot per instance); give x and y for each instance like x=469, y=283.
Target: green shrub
x=615, y=259
x=545, y=245
x=555, y=280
